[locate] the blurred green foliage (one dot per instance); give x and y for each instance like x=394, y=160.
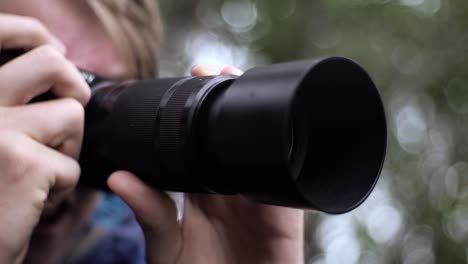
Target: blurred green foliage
x=416, y=51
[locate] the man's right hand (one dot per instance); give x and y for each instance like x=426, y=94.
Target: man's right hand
x=39, y=142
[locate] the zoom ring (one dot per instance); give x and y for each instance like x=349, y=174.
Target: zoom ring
x=174, y=127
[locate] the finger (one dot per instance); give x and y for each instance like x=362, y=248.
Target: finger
x=25, y=32
x=63, y=174
x=229, y=70
x=153, y=208
x=36, y=72
x=57, y=123
x=206, y=70
x=155, y=211
x=36, y=165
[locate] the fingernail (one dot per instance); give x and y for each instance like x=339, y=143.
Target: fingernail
x=231, y=70
x=210, y=69
x=59, y=44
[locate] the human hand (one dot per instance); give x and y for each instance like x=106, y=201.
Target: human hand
x=215, y=229
x=39, y=142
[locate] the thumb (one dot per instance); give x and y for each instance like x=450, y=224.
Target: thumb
x=156, y=213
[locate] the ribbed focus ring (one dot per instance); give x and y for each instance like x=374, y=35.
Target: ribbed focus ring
x=173, y=128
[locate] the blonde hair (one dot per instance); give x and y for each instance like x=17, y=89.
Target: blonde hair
x=135, y=28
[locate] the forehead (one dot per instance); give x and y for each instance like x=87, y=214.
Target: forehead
x=88, y=44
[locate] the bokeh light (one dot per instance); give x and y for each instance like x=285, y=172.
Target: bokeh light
x=241, y=16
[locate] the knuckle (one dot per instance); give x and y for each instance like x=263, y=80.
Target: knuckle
x=37, y=28
x=18, y=162
x=50, y=56
x=34, y=24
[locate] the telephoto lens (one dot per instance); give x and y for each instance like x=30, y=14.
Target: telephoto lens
x=308, y=134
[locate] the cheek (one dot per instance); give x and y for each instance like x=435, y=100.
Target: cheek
x=101, y=58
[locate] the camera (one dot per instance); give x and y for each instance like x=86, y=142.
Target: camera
x=308, y=134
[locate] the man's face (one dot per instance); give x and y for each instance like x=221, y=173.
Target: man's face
x=74, y=23
x=89, y=47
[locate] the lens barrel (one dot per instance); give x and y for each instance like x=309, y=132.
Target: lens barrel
x=308, y=134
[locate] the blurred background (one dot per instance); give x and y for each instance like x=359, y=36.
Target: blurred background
x=416, y=51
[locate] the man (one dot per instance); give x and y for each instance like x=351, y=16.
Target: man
x=43, y=215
